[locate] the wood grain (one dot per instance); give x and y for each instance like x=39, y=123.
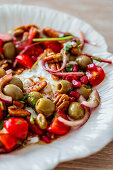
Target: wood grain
x=98, y=13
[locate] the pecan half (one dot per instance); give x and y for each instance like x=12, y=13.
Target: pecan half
x=50, y=32
x=62, y=101
x=36, y=86
x=15, y=111
x=18, y=104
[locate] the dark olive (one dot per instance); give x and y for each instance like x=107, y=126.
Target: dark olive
x=45, y=106
x=16, y=81
x=2, y=72
x=83, y=90
x=33, y=97
x=63, y=86
x=83, y=61
x=76, y=111
x=14, y=91
x=9, y=50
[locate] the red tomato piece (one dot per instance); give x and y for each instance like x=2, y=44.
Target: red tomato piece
x=1, y=50
x=96, y=77
x=8, y=141
x=54, y=45
x=24, y=60
x=57, y=127
x=17, y=127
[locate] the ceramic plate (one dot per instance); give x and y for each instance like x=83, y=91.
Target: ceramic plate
x=98, y=131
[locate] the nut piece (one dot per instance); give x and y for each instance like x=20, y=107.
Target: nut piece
x=41, y=121
x=2, y=72
x=62, y=101
x=14, y=111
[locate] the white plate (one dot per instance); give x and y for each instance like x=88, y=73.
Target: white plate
x=98, y=131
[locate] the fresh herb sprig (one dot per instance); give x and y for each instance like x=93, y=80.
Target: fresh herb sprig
x=37, y=61
x=52, y=39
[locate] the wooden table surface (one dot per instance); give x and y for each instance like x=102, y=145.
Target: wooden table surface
x=99, y=13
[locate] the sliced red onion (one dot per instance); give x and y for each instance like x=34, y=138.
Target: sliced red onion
x=69, y=74
x=6, y=37
x=82, y=39
x=98, y=58
x=3, y=131
x=3, y=81
x=94, y=100
x=80, y=122
x=76, y=123
x=90, y=42
x=45, y=65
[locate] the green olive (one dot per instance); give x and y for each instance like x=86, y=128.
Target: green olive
x=16, y=81
x=83, y=61
x=76, y=111
x=83, y=90
x=2, y=72
x=9, y=50
x=33, y=97
x=45, y=106
x=14, y=91
x=63, y=86
x=41, y=121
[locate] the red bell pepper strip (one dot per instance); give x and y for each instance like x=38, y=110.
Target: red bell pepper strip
x=1, y=50
x=54, y=45
x=17, y=127
x=24, y=60
x=56, y=126
x=8, y=141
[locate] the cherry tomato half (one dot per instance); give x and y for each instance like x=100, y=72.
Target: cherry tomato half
x=17, y=127
x=8, y=141
x=24, y=60
x=95, y=77
x=57, y=127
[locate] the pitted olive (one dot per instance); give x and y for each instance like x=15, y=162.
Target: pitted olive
x=2, y=72
x=45, y=106
x=9, y=50
x=14, y=91
x=63, y=86
x=83, y=61
x=84, y=91
x=76, y=111
x=33, y=97
x=16, y=81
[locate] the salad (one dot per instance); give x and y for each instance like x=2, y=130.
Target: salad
x=47, y=85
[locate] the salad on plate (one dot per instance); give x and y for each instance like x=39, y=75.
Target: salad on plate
x=47, y=85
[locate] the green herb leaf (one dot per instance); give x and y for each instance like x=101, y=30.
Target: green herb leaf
x=1, y=124
x=19, y=142
x=24, y=98
x=52, y=39
x=69, y=68
x=69, y=45
x=19, y=123
x=96, y=100
x=32, y=119
x=34, y=100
